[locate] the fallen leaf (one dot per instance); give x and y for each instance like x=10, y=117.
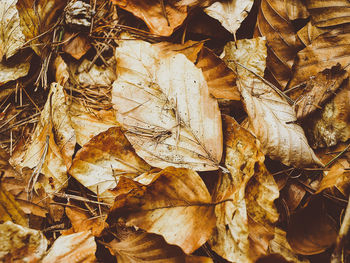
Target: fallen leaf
x=319, y=89
x=247, y=194
x=75, y=45
x=274, y=24
x=11, y=36
x=101, y=161
x=21, y=244
x=312, y=230
x=165, y=106
x=9, y=73
x=161, y=20
x=61, y=71
x=296, y=9
x=230, y=13
x=326, y=13
x=271, y=117
x=173, y=205
x=78, y=247
x=309, y=33
x=331, y=125
x=10, y=209
x=316, y=57
x=138, y=246
x=52, y=146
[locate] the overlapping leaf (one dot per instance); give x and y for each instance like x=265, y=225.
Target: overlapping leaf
x=270, y=115
x=164, y=104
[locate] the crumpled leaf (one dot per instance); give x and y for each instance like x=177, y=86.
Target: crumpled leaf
x=164, y=104
x=21, y=244
x=11, y=36
x=329, y=13
x=78, y=247
x=77, y=45
x=331, y=125
x=316, y=57
x=9, y=73
x=270, y=115
x=38, y=17
x=52, y=146
x=309, y=33
x=139, y=246
x=230, y=13
x=101, y=161
x=176, y=205
x=161, y=21
x=10, y=209
x=249, y=191
x=274, y=24
x=319, y=89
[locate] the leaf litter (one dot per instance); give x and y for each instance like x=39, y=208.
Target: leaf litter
x=115, y=145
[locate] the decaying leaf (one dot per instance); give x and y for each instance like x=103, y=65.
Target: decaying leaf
x=271, y=117
x=10, y=209
x=105, y=158
x=296, y=9
x=21, y=244
x=52, y=146
x=164, y=104
x=230, y=13
x=319, y=89
x=11, y=36
x=309, y=33
x=161, y=17
x=274, y=24
x=77, y=45
x=247, y=193
x=139, y=246
x=176, y=205
x=75, y=248
x=331, y=125
x=312, y=230
x=9, y=73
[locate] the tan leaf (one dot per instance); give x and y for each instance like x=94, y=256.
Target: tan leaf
x=176, y=205
x=331, y=125
x=230, y=13
x=11, y=36
x=53, y=142
x=251, y=191
x=75, y=45
x=138, y=246
x=9, y=73
x=319, y=89
x=102, y=160
x=37, y=18
x=316, y=57
x=78, y=247
x=61, y=71
x=273, y=23
x=271, y=117
x=21, y=244
x=296, y=9
x=165, y=106
x=329, y=13
x=160, y=20
x=309, y=33
x=10, y=209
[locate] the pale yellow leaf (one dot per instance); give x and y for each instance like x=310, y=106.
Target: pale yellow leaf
x=271, y=117
x=88, y=74
x=164, y=104
x=8, y=73
x=230, y=13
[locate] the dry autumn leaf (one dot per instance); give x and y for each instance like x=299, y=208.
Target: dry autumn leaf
x=164, y=104
x=309, y=33
x=105, y=158
x=76, y=45
x=75, y=248
x=173, y=205
x=230, y=13
x=138, y=246
x=10, y=209
x=249, y=191
x=271, y=117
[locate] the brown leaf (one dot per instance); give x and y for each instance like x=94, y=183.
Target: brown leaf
x=247, y=192
x=10, y=209
x=164, y=104
x=329, y=13
x=174, y=205
x=161, y=21
x=102, y=160
x=270, y=115
x=137, y=246
x=316, y=57
x=319, y=89
x=309, y=33
x=78, y=247
x=273, y=23
x=331, y=125
x=21, y=244
x=9, y=73
x=61, y=71
x=296, y=9
x=75, y=45
x=311, y=231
